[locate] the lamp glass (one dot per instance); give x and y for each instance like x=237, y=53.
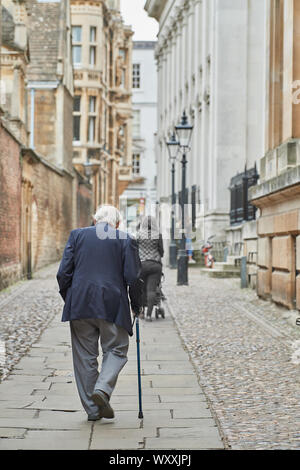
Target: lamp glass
x=184, y=132
x=88, y=169
x=173, y=147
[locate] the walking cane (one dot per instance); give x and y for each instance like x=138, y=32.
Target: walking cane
x=136, y=319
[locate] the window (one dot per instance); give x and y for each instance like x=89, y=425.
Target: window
x=92, y=60
x=92, y=119
x=136, y=163
x=105, y=57
x=76, y=128
x=136, y=76
x=136, y=128
x=76, y=33
x=76, y=118
x=92, y=104
x=123, y=79
x=76, y=103
x=91, y=130
x=93, y=33
x=76, y=50
x=122, y=53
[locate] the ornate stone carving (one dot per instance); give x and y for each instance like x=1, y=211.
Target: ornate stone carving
x=206, y=96
x=119, y=70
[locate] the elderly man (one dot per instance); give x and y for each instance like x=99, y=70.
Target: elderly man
x=99, y=268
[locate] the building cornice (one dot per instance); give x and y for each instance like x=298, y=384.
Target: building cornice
x=154, y=8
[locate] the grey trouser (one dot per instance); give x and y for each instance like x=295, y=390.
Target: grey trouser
x=114, y=340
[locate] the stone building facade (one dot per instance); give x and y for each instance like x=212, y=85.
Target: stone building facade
x=102, y=110
x=278, y=194
x=210, y=65
x=140, y=196
x=41, y=194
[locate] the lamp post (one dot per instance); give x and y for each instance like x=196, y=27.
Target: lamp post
x=173, y=147
x=88, y=170
x=184, y=133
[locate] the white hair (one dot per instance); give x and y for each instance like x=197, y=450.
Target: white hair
x=108, y=214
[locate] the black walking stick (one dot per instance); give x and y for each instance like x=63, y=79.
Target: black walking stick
x=136, y=319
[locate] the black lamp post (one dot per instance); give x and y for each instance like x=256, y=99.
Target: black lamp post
x=173, y=147
x=184, y=134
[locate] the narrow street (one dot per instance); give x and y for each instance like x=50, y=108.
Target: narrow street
x=39, y=405
x=243, y=351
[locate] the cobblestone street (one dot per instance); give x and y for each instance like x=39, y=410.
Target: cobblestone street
x=242, y=350
x=246, y=352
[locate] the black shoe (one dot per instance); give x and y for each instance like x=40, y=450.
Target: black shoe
x=100, y=399
x=94, y=418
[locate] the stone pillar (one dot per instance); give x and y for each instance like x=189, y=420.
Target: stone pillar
x=296, y=67
x=283, y=267
x=287, y=69
x=264, y=262
x=276, y=75
x=298, y=270
x=177, y=64
x=16, y=95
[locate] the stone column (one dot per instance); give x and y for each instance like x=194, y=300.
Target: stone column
x=276, y=76
x=16, y=98
x=296, y=67
x=287, y=68
x=177, y=68
x=197, y=90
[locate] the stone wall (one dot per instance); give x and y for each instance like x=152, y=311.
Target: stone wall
x=51, y=217
x=279, y=246
x=10, y=208
x=84, y=205
x=45, y=124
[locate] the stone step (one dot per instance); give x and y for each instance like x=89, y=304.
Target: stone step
x=226, y=266
x=220, y=273
x=233, y=259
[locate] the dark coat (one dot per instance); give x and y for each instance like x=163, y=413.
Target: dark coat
x=96, y=275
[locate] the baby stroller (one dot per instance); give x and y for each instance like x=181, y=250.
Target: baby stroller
x=159, y=310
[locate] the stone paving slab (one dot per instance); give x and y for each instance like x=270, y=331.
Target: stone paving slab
x=203, y=443
x=40, y=407
x=120, y=444
x=39, y=443
x=12, y=432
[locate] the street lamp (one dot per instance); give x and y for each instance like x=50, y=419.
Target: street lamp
x=173, y=148
x=184, y=134
x=88, y=170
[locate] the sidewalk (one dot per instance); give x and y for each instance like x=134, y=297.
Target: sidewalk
x=40, y=408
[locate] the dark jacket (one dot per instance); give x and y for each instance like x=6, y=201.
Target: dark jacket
x=96, y=275
x=150, y=249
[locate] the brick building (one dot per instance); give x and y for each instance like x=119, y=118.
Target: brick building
x=42, y=197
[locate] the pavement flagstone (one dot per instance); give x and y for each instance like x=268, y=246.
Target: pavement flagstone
x=40, y=408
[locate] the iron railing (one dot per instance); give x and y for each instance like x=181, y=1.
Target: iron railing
x=240, y=207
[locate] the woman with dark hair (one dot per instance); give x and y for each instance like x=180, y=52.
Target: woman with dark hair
x=151, y=251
